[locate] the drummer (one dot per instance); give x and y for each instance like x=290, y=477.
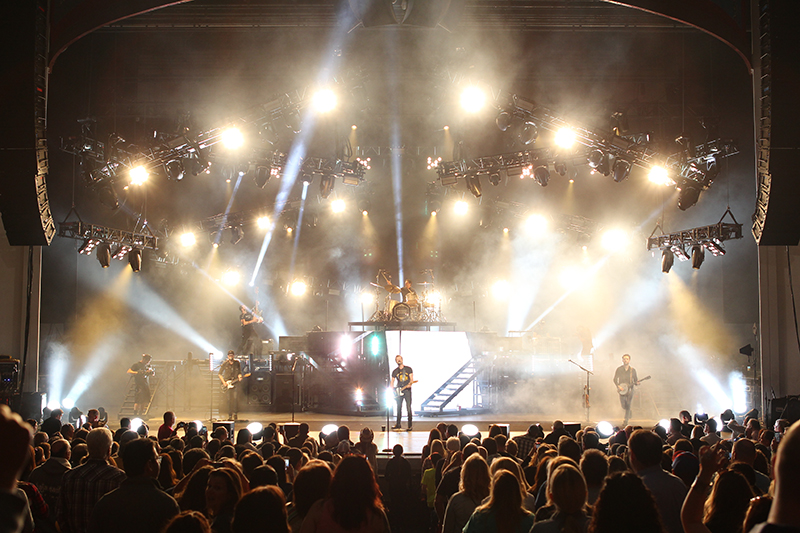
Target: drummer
x=409, y=294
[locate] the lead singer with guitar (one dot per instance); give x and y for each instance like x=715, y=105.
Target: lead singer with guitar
x=402, y=379
x=625, y=379
x=230, y=374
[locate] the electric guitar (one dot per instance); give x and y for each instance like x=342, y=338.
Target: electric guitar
x=398, y=391
x=232, y=383
x=624, y=388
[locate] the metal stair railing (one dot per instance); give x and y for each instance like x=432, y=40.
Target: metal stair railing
x=451, y=388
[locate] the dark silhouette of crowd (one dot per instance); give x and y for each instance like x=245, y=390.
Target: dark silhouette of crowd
x=689, y=478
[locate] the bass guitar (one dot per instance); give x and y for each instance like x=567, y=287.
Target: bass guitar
x=232, y=383
x=624, y=388
x=398, y=391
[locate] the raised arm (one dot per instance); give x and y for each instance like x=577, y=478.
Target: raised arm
x=711, y=460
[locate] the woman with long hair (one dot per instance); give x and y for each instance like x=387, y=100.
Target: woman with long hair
x=222, y=492
x=188, y=522
x=263, y=509
x=507, y=463
x=193, y=495
x=625, y=505
x=311, y=484
x=566, y=491
x=472, y=489
x=503, y=513
x=353, y=502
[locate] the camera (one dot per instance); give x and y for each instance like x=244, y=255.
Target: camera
x=180, y=425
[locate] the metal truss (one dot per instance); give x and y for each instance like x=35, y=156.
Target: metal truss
x=101, y=234
x=709, y=237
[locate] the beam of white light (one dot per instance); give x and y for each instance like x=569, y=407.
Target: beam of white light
x=299, y=228
x=712, y=385
x=218, y=235
x=738, y=392
x=102, y=353
x=397, y=186
x=58, y=358
x=531, y=260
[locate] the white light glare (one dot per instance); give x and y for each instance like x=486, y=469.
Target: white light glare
x=660, y=176
x=254, y=427
x=199, y=424
x=232, y=138
x=664, y=423
x=501, y=289
x=359, y=395
x=367, y=298
x=329, y=428
x=324, y=100
x=605, y=429
x=263, y=222
x=738, y=392
x=298, y=288
x=345, y=346
x=615, y=239
x=68, y=403
x=139, y=175
x=461, y=207
x=188, y=239
x=53, y=405
x=573, y=277
x=537, y=223
x=470, y=430
x=388, y=396
x=230, y=278
x=565, y=138
x=136, y=423
x=338, y=205
x=472, y=99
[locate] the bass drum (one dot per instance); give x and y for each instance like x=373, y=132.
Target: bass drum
x=401, y=311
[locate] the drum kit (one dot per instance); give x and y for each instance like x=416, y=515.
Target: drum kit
x=426, y=307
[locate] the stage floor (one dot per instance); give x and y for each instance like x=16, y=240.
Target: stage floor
x=412, y=441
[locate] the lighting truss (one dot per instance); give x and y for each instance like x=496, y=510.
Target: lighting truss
x=92, y=234
x=513, y=163
x=708, y=237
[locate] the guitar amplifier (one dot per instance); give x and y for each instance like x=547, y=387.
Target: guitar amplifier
x=260, y=389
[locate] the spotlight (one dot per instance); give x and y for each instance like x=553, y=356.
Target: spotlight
x=263, y=222
x=433, y=298
x=262, y=176
x=298, y=288
x=527, y=133
x=473, y=182
x=87, y=246
x=329, y=429
x=598, y=160
x=230, y=278
x=358, y=396
x=136, y=423
x=561, y=168
x=338, y=205
x=688, y=194
x=503, y=120
x=667, y=260
x=472, y=99
x=326, y=184
x=237, y=234
x=232, y=139
x=660, y=176
x=255, y=427
x=471, y=431
x=494, y=178
x=135, y=259
x=104, y=254
x=604, y=429
x=354, y=127
x=565, y=138
x=198, y=424
x=138, y=175
x=307, y=178
x=698, y=256
x=68, y=403
x=363, y=206
x=664, y=423
x=461, y=207
x=572, y=277
x=188, y=239
x=446, y=128
x=536, y=223
x=367, y=298
x=622, y=170
x=175, y=170
x=500, y=290
x=108, y=196
x=615, y=239
x=324, y=100
x=541, y=175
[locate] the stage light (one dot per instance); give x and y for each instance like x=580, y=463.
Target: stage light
x=501, y=290
x=472, y=99
x=199, y=424
x=375, y=345
x=188, y=239
x=138, y=175
x=433, y=298
x=338, y=205
x=358, y=396
x=664, y=423
x=262, y=175
x=598, y=160
x=604, y=429
x=446, y=128
x=255, y=427
x=470, y=430
x=503, y=120
x=329, y=429
x=561, y=169
x=104, y=254
x=326, y=184
x=232, y=138
x=494, y=178
x=68, y=403
x=622, y=170
x=565, y=138
x=324, y=100
x=237, y=234
x=263, y=222
x=688, y=194
x=367, y=297
x=505, y=230
x=615, y=239
x=136, y=423
x=345, y=346
x=307, y=178
x=289, y=230
x=388, y=397
x=527, y=133
x=461, y=207
x=354, y=127
x=698, y=256
x=135, y=259
x=53, y=405
x=536, y=223
x=298, y=288
x=230, y=278
x=667, y=260
x=541, y=175
x=572, y=277
x=473, y=182
x=660, y=176
x=175, y=170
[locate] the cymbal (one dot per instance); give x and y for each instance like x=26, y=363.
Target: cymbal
x=393, y=289
x=425, y=283
x=375, y=284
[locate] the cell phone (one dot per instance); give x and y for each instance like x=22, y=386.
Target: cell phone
x=286, y=462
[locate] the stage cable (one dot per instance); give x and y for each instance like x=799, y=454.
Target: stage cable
x=791, y=293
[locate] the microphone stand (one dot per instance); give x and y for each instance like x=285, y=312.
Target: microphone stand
x=586, y=389
x=294, y=390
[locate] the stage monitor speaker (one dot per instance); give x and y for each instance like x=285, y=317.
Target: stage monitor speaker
x=291, y=429
x=572, y=428
x=260, y=388
x=504, y=429
x=29, y=405
x=227, y=424
x=282, y=396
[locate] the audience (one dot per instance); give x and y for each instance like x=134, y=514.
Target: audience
x=503, y=511
x=473, y=488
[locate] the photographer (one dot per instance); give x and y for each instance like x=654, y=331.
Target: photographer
x=166, y=430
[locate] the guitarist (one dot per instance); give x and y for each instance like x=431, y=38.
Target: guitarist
x=230, y=374
x=625, y=379
x=251, y=342
x=402, y=379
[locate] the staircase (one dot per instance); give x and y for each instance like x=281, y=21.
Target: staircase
x=126, y=410
x=451, y=388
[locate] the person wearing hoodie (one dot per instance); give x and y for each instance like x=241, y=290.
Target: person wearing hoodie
x=47, y=476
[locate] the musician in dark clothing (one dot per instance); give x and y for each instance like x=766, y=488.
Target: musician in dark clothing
x=141, y=372
x=402, y=379
x=408, y=293
x=230, y=375
x=251, y=342
x=625, y=379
